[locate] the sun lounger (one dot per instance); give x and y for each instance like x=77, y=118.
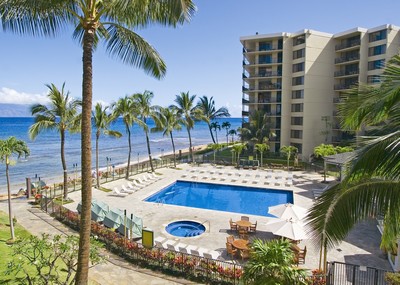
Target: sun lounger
x=137, y=184
x=126, y=190
x=155, y=176
x=119, y=193
x=131, y=186
x=143, y=182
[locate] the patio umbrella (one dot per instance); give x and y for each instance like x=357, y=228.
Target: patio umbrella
x=287, y=211
x=287, y=228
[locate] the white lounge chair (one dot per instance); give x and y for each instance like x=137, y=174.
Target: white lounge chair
x=119, y=193
x=149, y=177
x=131, y=186
x=155, y=176
x=137, y=184
x=126, y=190
x=142, y=182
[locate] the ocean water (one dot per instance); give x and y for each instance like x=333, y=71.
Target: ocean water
x=45, y=159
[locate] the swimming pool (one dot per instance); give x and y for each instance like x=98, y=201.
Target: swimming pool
x=228, y=198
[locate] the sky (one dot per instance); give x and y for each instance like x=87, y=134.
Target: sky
x=203, y=57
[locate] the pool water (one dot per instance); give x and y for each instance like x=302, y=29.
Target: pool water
x=228, y=198
x=185, y=228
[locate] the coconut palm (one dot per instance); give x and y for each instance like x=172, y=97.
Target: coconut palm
x=288, y=151
x=371, y=185
x=145, y=110
x=8, y=147
x=272, y=262
x=226, y=126
x=101, y=122
x=237, y=149
x=167, y=121
x=62, y=116
x=215, y=126
x=232, y=133
x=114, y=22
x=215, y=147
x=259, y=129
x=210, y=113
x=188, y=113
x=261, y=148
x=127, y=109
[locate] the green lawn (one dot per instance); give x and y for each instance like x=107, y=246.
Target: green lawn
x=5, y=249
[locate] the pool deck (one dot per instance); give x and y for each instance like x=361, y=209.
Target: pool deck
x=360, y=247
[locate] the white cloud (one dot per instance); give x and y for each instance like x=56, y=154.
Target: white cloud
x=11, y=96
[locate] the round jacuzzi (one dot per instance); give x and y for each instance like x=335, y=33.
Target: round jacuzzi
x=185, y=228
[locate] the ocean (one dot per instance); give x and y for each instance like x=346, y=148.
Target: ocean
x=45, y=159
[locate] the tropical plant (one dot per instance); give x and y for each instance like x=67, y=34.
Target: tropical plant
x=167, y=121
x=372, y=178
x=272, y=262
x=101, y=122
x=8, y=147
x=126, y=107
x=215, y=126
x=53, y=259
x=114, y=22
x=62, y=116
x=261, y=148
x=288, y=151
x=187, y=112
x=215, y=147
x=226, y=126
x=145, y=110
x=259, y=128
x=237, y=149
x=210, y=113
x=232, y=133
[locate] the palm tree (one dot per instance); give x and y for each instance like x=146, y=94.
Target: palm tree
x=145, y=110
x=322, y=150
x=167, y=121
x=207, y=106
x=259, y=129
x=8, y=147
x=272, y=262
x=126, y=108
x=238, y=148
x=215, y=147
x=232, y=133
x=215, y=126
x=188, y=113
x=102, y=121
x=61, y=116
x=114, y=22
x=288, y=151
x=226, y=126
x=261, y=148
x=372, y=179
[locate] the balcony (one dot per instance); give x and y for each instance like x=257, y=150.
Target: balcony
x=346, y=73
x=245, y=101
x=273, y=86
x=338, y=100
x=342, y=86
x=347, y=59
x=245, y=113
x=268, y=100
x=349, y=44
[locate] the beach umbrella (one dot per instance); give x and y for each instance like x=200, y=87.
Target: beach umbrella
x=113, y=219
x=287, y=228
x=135, y=224
x=288, y=211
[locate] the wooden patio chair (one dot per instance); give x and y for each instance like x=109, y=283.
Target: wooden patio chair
x=245, y=254
x=253, y=228
x=230, y=239
x=230, y=250
x=245, y=218
x=233, y=225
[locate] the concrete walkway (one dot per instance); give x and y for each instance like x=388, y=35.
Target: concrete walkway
x=114, y=271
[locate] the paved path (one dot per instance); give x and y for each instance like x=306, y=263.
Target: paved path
x=115, y=271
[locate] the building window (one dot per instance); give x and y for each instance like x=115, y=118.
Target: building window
x=296, y=134
x=299, y=147
x=374, y=79
x=299, y=40
x=297, y=107
x=299, y=53
x=376, y=64
x=263, y=46
x=298, y=67
x=377, y=36
x=377, y=50
x=297, y=121
x=299, y=80
x=298, y=94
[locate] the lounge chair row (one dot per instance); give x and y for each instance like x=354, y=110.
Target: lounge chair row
x=136, y=184
x=185, y=248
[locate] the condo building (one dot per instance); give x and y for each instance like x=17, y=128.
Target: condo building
x=298, y=79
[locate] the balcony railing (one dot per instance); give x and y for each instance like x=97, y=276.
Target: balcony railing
x=245, y=113
x=348, y=44
x=342, y=86
x=245, y=101
x=273, y=86
x=269, y=61
x=346, y=72
x=346, y=59
x=263, y=101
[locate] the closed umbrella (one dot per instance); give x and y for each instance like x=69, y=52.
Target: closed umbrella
x=287, y=228
x=288, y=211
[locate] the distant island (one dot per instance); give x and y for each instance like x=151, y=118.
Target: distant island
x=15, y=110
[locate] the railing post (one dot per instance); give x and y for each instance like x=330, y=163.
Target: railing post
x=353, y=281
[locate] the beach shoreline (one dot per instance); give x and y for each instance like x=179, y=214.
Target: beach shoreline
x=16, y=187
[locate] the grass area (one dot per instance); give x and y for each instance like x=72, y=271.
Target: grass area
x=5, y=249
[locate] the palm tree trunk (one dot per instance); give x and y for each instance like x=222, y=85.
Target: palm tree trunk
x=97, y=159
x=190, y=144
x=149, y=151
x=173, y=148
x=10, y=218
x=64, y=164
x=81, y=277
x=128, y=130
x=216, y=135
x=211, y=133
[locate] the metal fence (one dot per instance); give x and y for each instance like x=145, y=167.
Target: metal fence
x=350, y=274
